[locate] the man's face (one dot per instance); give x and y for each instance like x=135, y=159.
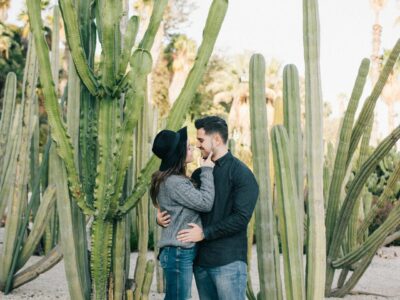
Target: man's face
x=204, y=142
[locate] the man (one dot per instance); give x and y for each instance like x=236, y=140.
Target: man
x=220, y=266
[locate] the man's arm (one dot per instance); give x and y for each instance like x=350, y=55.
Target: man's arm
x=245, y=196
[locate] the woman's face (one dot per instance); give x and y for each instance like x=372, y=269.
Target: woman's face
x=189, y=153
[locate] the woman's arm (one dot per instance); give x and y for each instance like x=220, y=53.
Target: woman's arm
x=182, y=191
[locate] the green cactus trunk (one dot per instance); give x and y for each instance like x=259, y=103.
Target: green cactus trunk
x=292, y=113
x=7, y=144
x=316, y=244
x=24, y=122
x=264, y=211
x=287, y=201
x=105, y=134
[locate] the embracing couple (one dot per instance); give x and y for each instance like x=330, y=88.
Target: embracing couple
x=205, y=217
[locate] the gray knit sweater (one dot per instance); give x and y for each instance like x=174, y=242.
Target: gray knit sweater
x=183, y=201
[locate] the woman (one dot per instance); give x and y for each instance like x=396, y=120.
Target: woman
x=171, y=190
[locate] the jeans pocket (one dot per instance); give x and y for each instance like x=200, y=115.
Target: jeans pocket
x=164, y=257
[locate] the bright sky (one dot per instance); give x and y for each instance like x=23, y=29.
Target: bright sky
x=274, y=28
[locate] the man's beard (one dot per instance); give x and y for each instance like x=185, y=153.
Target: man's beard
x=204, y=153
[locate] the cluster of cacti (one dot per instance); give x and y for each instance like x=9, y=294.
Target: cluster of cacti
x=328, y=186
x=20, y=173
x=379, y=179
x=98, y=175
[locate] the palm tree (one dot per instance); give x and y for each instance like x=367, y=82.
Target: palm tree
x=236, y=94
x=4, y=6
x=183, y=53
x=377, y=6
x=391, y=91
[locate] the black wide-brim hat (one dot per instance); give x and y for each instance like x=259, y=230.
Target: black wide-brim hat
x=170, y=147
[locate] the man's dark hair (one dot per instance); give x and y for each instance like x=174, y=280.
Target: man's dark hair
x=213, y=124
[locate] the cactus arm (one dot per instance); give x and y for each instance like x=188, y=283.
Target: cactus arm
x=111, y=44
x=7, y=114
x=89, y=105
x=59, y=134
x=355, y=276
x=67, y=237
x=316, y=243
x=78, y=218
x=119, y=255
x=47, y=262
x=18, y=201
x=339, y=169
x=288, y=215
x=357, y=184
x=140, y=186
x=87, y=141
x=147, y=41
x=373, y=242
x=141, y=62
x=7, y=144
x=148, y=277
x=181, y=106
x=39, y=226
x=264, y=211
x=71, y=24
x=213, y=25
x=105, y=178
x=129, y=41
x=369, y=105
x=155, y=20
x=34, y=201
x=390, y=190
x=11, y=161
x=21, y=256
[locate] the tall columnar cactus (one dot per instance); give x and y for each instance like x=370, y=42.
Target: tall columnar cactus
x=314, y=153
x=14, y=187
x=6, y=139
x=348, y=245
x=10, y=93
x=339, y=168
x=267, y=266
x=292, y=115
x=289, y=216
x=349, y=203
x=100, y=195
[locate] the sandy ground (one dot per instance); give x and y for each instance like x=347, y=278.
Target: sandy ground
x=381, y=278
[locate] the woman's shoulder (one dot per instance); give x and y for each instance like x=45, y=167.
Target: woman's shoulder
x=173, y=180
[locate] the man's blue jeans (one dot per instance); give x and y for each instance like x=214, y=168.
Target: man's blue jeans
x=226, y=282
x=177, y=263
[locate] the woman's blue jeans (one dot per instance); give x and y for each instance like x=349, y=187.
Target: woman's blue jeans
x=177, y=263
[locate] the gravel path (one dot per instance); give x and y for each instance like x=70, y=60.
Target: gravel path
x=381, y=278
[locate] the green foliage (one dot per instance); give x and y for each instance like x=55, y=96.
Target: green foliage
x=160, y=84
x=216, y=79
x=12, y=53
x=378, y=179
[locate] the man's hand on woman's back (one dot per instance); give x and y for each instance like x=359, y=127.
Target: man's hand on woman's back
x=163, y=218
